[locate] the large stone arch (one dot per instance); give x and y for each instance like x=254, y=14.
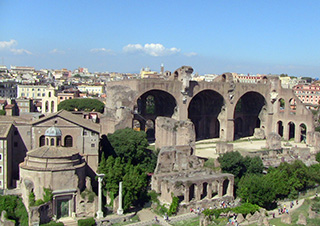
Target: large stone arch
x=249, y=113
x=203, y=111
x=150, y=105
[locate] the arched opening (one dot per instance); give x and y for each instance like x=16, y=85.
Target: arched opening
x=291, y=130
x=293, y=106
x=248, y=109
x=52, y=106
x=204, y=190
x=47, y=106
x=68, y=141
x=280, y=128
x=225, y=187
x=150, y=130
x=265, y=79
x=136, y=125
x=192, y=192
x=282, y=105
x=51, y=142
x=42, y=141
x=215, y=186
x=303, y=133
x=152, y=104
x=238, y=128
x=224, y=78
x=47, y=141
x=203, y=111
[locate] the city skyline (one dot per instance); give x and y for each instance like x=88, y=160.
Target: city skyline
x=124, y=36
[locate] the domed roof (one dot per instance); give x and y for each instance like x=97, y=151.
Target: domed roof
x=53, y=132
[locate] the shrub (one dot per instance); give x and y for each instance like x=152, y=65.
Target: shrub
x=174, y=205
x=87, y=222
x=15, y=209
x=318, y=157
x=89, y=194
x=32, y=199
x=47, y=196
x=39, y=202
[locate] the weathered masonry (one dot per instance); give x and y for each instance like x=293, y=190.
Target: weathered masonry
x=225, y=108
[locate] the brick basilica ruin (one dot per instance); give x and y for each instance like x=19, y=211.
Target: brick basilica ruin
x=175, y=112
x=225, y=108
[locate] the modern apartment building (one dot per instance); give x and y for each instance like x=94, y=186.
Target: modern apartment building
x=47, y=95
x=308, y=93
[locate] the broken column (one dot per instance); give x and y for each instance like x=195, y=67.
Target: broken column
x=120, y=210
x=100, y=213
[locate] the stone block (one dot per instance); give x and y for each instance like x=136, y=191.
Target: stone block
x=286, y=218
x=274, y=141
x=240, y=218
x=302, y=219
x=223, y=147
x=259, y=134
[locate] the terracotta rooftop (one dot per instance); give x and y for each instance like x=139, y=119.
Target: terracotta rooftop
x=72, y=118
x=4, y=129
x=52, y=152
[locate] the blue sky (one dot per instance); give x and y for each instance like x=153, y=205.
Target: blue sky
x=211, y=36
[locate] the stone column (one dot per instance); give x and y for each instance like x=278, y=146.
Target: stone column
x=220, y=188
x=209, y=190
x=286, y=129
x=230, y=187
x=198, y=192
x=120, y=210
x=186, y=194
x=297, y=133
x=100, y=213
x=73, y=206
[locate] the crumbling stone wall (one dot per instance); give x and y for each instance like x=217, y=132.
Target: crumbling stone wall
x=171, y=132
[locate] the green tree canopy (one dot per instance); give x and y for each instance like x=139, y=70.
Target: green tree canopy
x=128, y=161
x=132, y=146
x=83, y=104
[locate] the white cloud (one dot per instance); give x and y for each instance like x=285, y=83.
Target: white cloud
x=150, y=49
x=56, y=51
x=4, y=44
x=8, y=45
x=20, y=51
x=191, y=54
x=101, y=50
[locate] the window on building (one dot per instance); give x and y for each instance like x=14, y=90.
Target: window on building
x=68, y=141
x=93, y=145
x=52, y=142
x=0, y=157
x=93, y=133
x=0, y=169
x=42, y=141
x=85, y=133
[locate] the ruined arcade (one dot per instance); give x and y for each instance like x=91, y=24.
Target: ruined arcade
x=225, y=108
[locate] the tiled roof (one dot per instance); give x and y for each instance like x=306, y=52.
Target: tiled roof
x=76, y=119
x=52, y=152
x=4, y=129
